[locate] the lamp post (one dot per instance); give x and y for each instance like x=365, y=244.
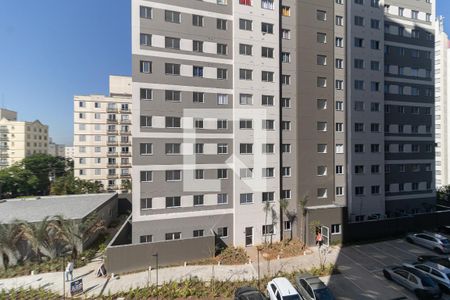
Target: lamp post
x=157, y=268
x=64, y=277
x=259, y=285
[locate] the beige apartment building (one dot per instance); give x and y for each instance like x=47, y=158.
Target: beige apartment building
x=102, y=135
x=19, y=139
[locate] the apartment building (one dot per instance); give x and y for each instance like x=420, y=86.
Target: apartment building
x=19, y=139
x=409, y=106
x=54, y=149
x=69, y=152
x=245, y=105
x=442, y=109
x=102, y=136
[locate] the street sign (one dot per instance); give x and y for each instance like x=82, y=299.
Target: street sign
x=76, y=287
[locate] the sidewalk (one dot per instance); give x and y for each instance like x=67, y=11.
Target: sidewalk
x=94, y=286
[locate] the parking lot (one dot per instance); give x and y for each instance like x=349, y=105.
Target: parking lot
x=360, y=268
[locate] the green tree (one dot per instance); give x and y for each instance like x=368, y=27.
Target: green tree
x=284, y=203
x=45, y=168
x=302, y=204
x=69, y=185
x=17, y=181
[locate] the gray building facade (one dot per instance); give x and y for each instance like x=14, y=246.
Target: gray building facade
x=239, y=106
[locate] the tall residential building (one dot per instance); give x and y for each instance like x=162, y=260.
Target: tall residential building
x=20, y=139
x=442, y=108
x=243, y=105
x=69, y=152
x=58, y=150
x=102, y=135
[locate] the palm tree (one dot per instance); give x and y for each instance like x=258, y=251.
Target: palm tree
x=267, y=208
x=302, y=206
x=42, y=237
x=73, y=233
x=8, y=244
x=284, y=203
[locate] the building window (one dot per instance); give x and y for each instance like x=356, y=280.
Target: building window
x=173, y=202
x=245, y=99
x=198, y=233
x=198, y=200
x=222, y=232
x=336, y=229
x=245, y=49
x=246, y=173
x=172, y=16
x=146, y=176
x=146, y=94
x=268, y=229
x=145, y=239
x=321, y=15
x=222, y=199
x=266, y=28
x=146, y=203
x=222, y=74
x=267, y=4
x=268, y=172
x=222, y=173
x=199, y=174
x=173, y=236
x=246, y=198
x=222, y=148
x=173, y=175
x=246, y=148
x=268, y=148
x=197, y=20
x=146, y=39
x=267, y=76
x=173, y=122
x=145, y=12
x=221, y=24
x=172, y=148
x=222, y=99
x=268, y=196
x=146, y=148
x=172, y=43
x=145, y=67
x=321, y=37
x=199, y=148
x=245, y=24
x=285, y=11
x=245, y=74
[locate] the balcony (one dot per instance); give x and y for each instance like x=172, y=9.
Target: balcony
x=112, y=176
x=113, y=187
x=125, y=165
x=125, y=111
x=123, y=143
x=125, y=175
x=112, y=154
x=125, y=132
x=112, y=143
x=113, y=165
x=113, y=132
x=112, y=110
x=111, y=121
x=125, y=154
x=125, y=121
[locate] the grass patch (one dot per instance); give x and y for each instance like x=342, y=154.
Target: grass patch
x=229, y=256
x=282, y=249
x=191, y=288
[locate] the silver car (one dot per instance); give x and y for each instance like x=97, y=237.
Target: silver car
x=414, y=280
x=433, y=241
x=312, y=288
x=437, y=271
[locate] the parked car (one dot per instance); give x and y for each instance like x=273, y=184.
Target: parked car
x=281, y=288
x=438, y=270
x=433, y=241
x=414, y=280
x=312, y=288
x=248, y=293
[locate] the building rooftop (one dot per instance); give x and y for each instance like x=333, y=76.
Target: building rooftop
x=72, y=207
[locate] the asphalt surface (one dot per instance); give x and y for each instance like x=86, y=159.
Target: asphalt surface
x=361, y=266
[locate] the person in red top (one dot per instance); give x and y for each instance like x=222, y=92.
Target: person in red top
x=319, y=238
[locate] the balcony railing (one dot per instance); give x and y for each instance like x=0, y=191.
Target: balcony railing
x=126, y=154
x=125, y=121
x=113, y=132
x=111, y=121
x=112, y=176
x=112, y=110
x=125, y=132
x=125, y=111
x=113, y=154
x=112, y=143
x=125, y=175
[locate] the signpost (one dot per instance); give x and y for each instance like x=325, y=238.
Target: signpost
x=76, y=287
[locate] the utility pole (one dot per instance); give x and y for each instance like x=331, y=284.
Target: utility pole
x=157, y=269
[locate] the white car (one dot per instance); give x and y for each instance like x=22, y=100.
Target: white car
x=433, y=241
x=281, y=289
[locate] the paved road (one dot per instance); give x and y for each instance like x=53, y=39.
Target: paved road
x=361, y=270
